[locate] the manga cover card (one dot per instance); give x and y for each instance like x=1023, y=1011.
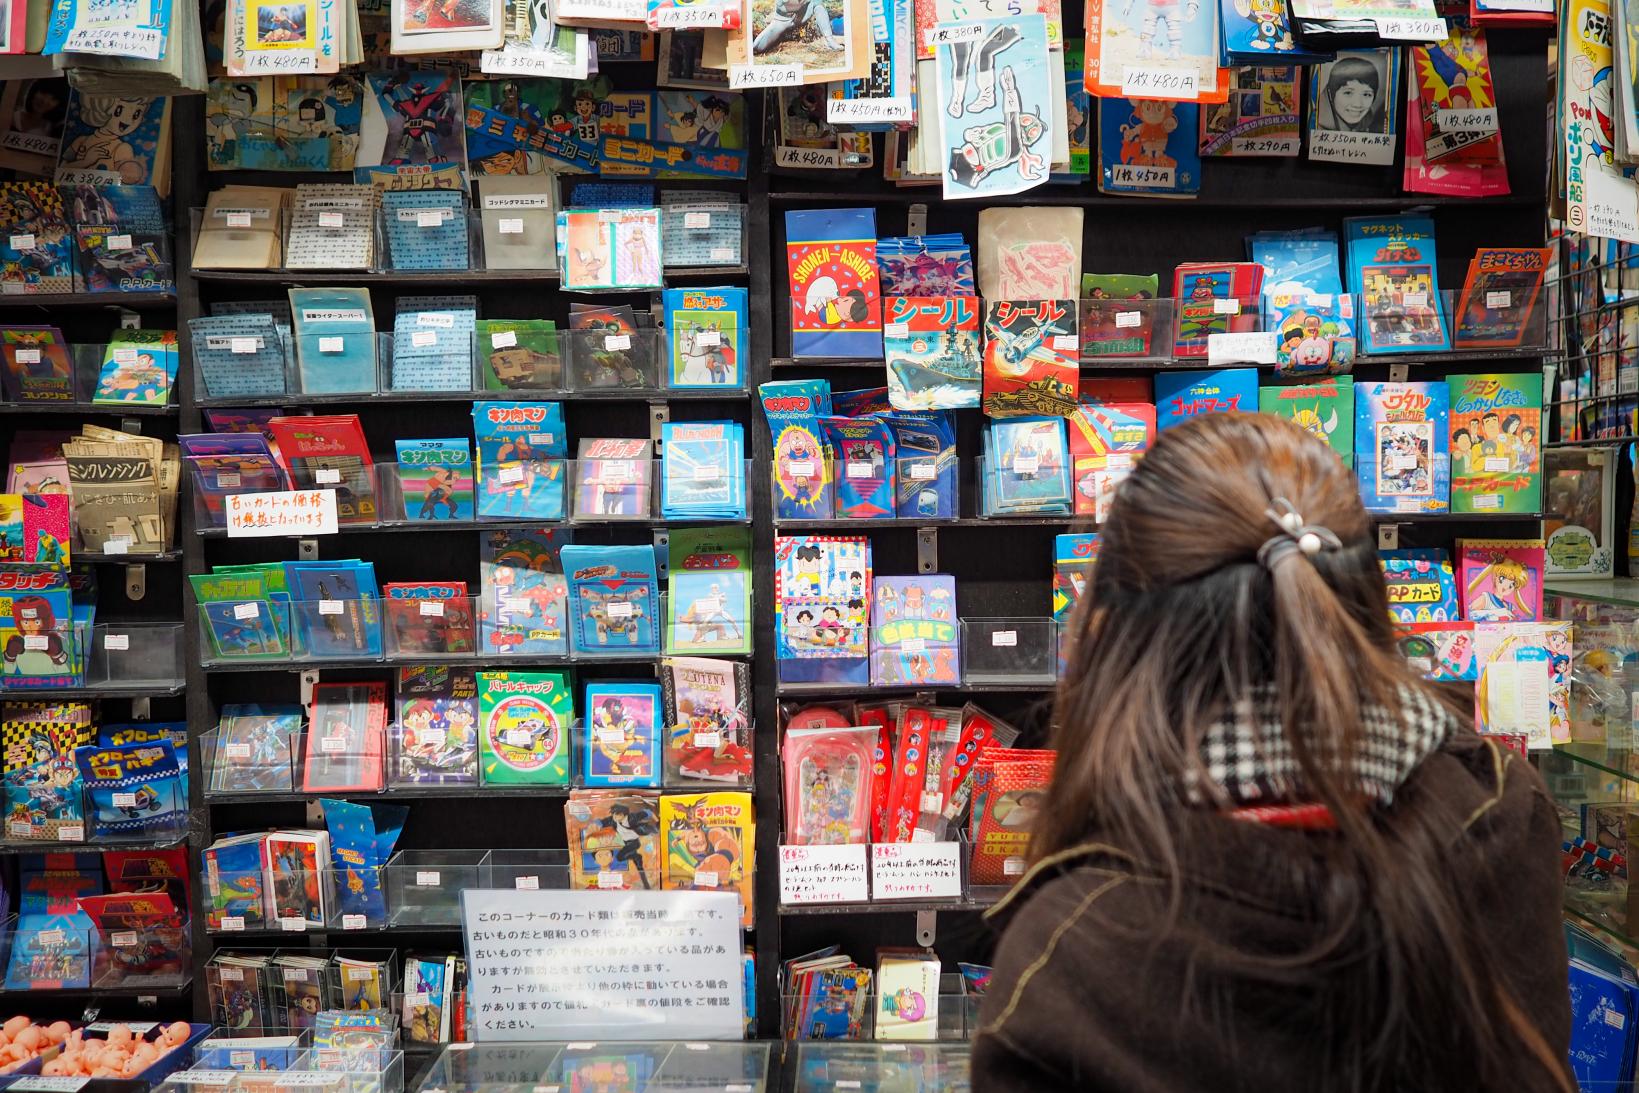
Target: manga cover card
x=1500, y=580
x=932, y=347
x=428, y=617
x=1456, y=98
x=1402, y=454
x=1154, y=49
x=1148, y=146
x=1496, y=443
x=38, y=365
x=525, y=719
x=613, y=599
x=1260, y=116
x=614, y=840
x=822, y=586
x=706, y=332
x=1032, y=357
x=436, y=740
x=996, y=93
x=1421, y=584
x=1392, y=266
x=525, y=600
x=709, y=839
x=836, y=294
x=1324, y=410
x=1028, y=466
x=1498, y=305
x=111, y=140
x=622, y=742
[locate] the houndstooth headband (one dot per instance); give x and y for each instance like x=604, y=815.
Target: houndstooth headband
x=1247, y=757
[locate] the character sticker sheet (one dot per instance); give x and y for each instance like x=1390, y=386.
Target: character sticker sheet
x=995, y=96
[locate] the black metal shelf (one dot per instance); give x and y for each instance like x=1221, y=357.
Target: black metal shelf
x=1091, y=199
x=1457, y=517
x=111, y=690
x=868, y=693
x=997, y=522
x=128, y=558
x=43, y=847
x=44, y=996
x=133, y=300
x=363, y=399
x=965, y=905
x=443, y=277
x=491, y=525
x=112, y=410
x=448, y=793
x=221, y=937
x=1095, y=365
x=495, y=661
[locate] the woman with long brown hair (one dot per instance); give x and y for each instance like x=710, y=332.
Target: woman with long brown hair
x=1272, y=857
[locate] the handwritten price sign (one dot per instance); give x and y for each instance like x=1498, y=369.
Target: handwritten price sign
x=1142, y=82
x=749, y=76
x=291, y=512
x=864, y=111
x=1413, y=30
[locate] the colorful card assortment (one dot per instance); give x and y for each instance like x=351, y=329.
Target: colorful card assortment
x=914, y=639
x=615, y=840
x=702, y=470
x=435, y=479
x=614, y=599
x=1324, y=410
x=1009, y=790
x=1496, y=443
x=524, y=603
x=609, y=248
x=706, y=336
x=1032, y=357
x=1149, y=146
x=1499, y=300
x=1074, y=554
x=1402, y=453
x=522, y=472
x=1107, y=437
x=1213, y=298
x=1392, y=268
x=139, y=367
x=1180, y=396
x=435, y=739
x=802, y=470
x=1421, y=584
x=1026, y=467
x=932, y=347
x=255, y=745
x=822, y=585
x=614, y=478
x=525, y=719
x=38, y=365
x=1500, y=580
x=428, y=617
x=708, y=718
x=1524, y=680
x=710, y=842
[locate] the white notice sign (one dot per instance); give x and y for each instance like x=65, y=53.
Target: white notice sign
x=916, y=871
x=561, y=965
x=824, y=874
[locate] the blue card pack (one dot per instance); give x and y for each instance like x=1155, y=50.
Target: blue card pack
x=1180, y=396
x=1402, y=446
x=362, y=837
x=802, y=464
x=864, y=461
x=1392, y=267
x=335, y=337
x=238, y=355
x=1304, y=301
x=336, y=607
x=426, y=229
x=521, y=468
x=433, y=342
x=622, y=746
x=614, y=599
x=924, y=463
x=133, y=790
x=702, y=470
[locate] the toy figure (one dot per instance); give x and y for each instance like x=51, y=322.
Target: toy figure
x=421, y=109
x=1166, y=11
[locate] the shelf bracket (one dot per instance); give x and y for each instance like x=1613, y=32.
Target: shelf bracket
x=307, y=550
x=142, y=709
x=916, y=219
x=130, y=320
x=926, y=927
x=927, y=550
x=315, y=813
x=132, y=425
x=136, y=580
x=1399, y=373
x=662, y=553
x=1388, y=536
x=310, y=679
x=659, y=414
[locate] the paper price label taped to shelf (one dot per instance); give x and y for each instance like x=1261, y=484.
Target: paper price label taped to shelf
x=1066, y=343
x=611, y=735
x=125, y=355
x=1127, y=319
x=429, y=218
x=125, y=939
x=512, y=472
x=118, y=242
x=1488, y=501
x=710, y=739
x=293, y=925
x=708, y=337
x=293, y=512
x=913, y=645
x=921, y=472
x=39, y=1083
x=116, y=643
x=503, y=339
x=1415, y=299
x=432, y=609
x=428, y=878
x=28, y=356
x=802, y=468
x=824, y=874
x=747, y=76
x=20, y=829
x=1413, y=30
x=244, y=611
x=861, y=468
x=723, y=254
x=1247, y=347
x=870, y=111
x=1226, y=307
x=1026, y=464
x=613, y=342
x=1013, y=867
x=1004, y=639
x=71, y=833
x=236, y=751
x=708, y=879
x=232, y=924
x=50, y=937
x=1502, y=298
x=526, y=884
x=916, y=870
x=354, y=922
x=330, y=607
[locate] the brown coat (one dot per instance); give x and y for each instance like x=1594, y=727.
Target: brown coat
x=1081, y=1001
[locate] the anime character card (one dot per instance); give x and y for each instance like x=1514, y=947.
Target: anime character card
x=1032, y=357
x=995, y=94
x=1402, y=448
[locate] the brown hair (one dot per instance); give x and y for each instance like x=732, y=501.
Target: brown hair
x=1180, y=620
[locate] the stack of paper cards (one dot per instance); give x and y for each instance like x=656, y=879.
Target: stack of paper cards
x=243, y=228
x=321, y=452
x=138, y=366
x=335, y=339
x=332, y=227
x=609, y=248
x=36, y=246
x=518, y=220
x=120, y=232
x=238, y=355
x=614, y=478
x=1027, y=466
x=701, y=228
x=521, y=450
x=706, y=332
x=432, y=343
x=426, y=229
x=520, y=354
x=702, y=470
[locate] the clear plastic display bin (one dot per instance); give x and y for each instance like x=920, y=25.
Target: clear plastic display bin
x=469, y=1068
x=1002, y=651
x=528, y=870
x=424, y=887
x=1196, y=317
x=298, y=631
x=251, y=1049
x=673, y=1065
x=265, y=764
x=136, y=654
x=955, y=1018
x=50, y=654
x=45, y=384
x=607, y=360
x=1125, y=330
x=55, y=958
x=521, y=364
x=821, y=1067
x=373, y=1069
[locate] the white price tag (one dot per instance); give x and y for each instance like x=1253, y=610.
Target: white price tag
x=1472, y=119
x=430, y=218
x=1013, y=867
x=607, y=735
x=708, y=337
x=697, y=220
x=236, y=751
x=512, y=472
x=1226, y=307
x=432, y=609
x=50, y=937
x=28, y=356
x=921, y=472
x=801, y=468
x=510, y=225
x=692, y=17
x=118, y=242
x=35, y=642
x=706, y=474
x=125, y=355
x=23, y=242
x=860, y=468
x=1127, y=319
x=951, y=33
x=232, y=924
x=1488, y=501
x=352, y=922
x=611, y=880
x=332, y=344
x=21, y=828
x=613, y=342
x=711, y=739
x=618, y=609
x=1147, y=82
x=238, y=220
x=1495, y=464
x=421, y=339
x=503, y=339
x=748, y=76
x=1503, y=298
x=913, y=645
x=723, y=254
x=71, y=833
x=330, y=607
x=1026, y=464
x=242, y=346
x=327, y=476
x=1248, y=347
x=293, y=925
x=333, y=745
x=923, y=870
x=896, y=330
x=707, y=879
x=125, y=800
x=1413, y=30
x=331, y=220
x=517, y=738
x=116, y=546
x=526, y=884
x=1066, y=343
x=1004, y=639
x=824, y=874
x=870, y=111
x=1416, y=299
x=440, y=320
x=425, y=878
x=228, y=480
x=125, y=939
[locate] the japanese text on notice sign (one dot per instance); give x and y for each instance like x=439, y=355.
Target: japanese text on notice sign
x=633, y=966
x=292, y=512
